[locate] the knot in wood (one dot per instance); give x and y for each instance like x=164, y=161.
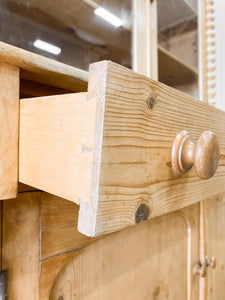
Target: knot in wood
x=142, y=213
x=151, y=102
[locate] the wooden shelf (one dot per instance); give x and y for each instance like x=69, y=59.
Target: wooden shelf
x=172, y=71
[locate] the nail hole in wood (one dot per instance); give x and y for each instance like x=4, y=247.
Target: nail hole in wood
x=60, y=298
x=142, y=213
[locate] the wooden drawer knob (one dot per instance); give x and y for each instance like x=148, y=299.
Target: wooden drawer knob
x=204, y=154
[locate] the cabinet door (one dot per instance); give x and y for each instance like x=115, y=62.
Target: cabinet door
x=215, y=246
x=152, y=260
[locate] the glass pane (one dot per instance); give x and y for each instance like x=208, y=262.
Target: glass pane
x=82, y=36
x=178, y=44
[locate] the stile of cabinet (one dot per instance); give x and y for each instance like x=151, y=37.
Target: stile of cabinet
x=100, y=159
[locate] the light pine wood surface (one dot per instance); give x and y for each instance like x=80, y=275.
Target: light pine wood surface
x=9, y=124
x=21, y=245
x=39, y=236
x=145, y=46
x=35, y=260
x=60, y=239
x=136, y=150
x=153, y=260
x=215, y=245
x=44, y=70
x=59, y=232
x=49, y=270
x=56, y=144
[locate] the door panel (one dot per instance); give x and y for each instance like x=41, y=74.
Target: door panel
x=152, y=260
x=215, y=246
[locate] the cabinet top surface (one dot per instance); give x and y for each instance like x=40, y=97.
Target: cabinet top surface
x=41, y=69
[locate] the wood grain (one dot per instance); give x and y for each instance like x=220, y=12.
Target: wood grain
x=44, y=70
x=152, y=39
x=136, y=150
x=9, y=124
x=143, y=262
x=56, y=144
x=215, y=245
x=60, y=239
x=139, y=37
x=20, y=245
x=39, y=236
x=49, y=271
x=59, y=232
x=145, y=51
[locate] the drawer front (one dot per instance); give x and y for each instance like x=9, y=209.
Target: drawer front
x=136, y=124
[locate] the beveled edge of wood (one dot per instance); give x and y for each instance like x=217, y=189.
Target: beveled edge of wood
x=43, y=69
x=96, y=89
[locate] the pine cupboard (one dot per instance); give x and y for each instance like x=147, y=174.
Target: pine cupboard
x=101, y=171
x=131, y=228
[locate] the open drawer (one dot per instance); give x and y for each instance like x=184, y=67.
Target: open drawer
x=109, y=150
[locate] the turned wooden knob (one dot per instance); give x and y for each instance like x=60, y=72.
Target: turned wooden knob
x=204, y=154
